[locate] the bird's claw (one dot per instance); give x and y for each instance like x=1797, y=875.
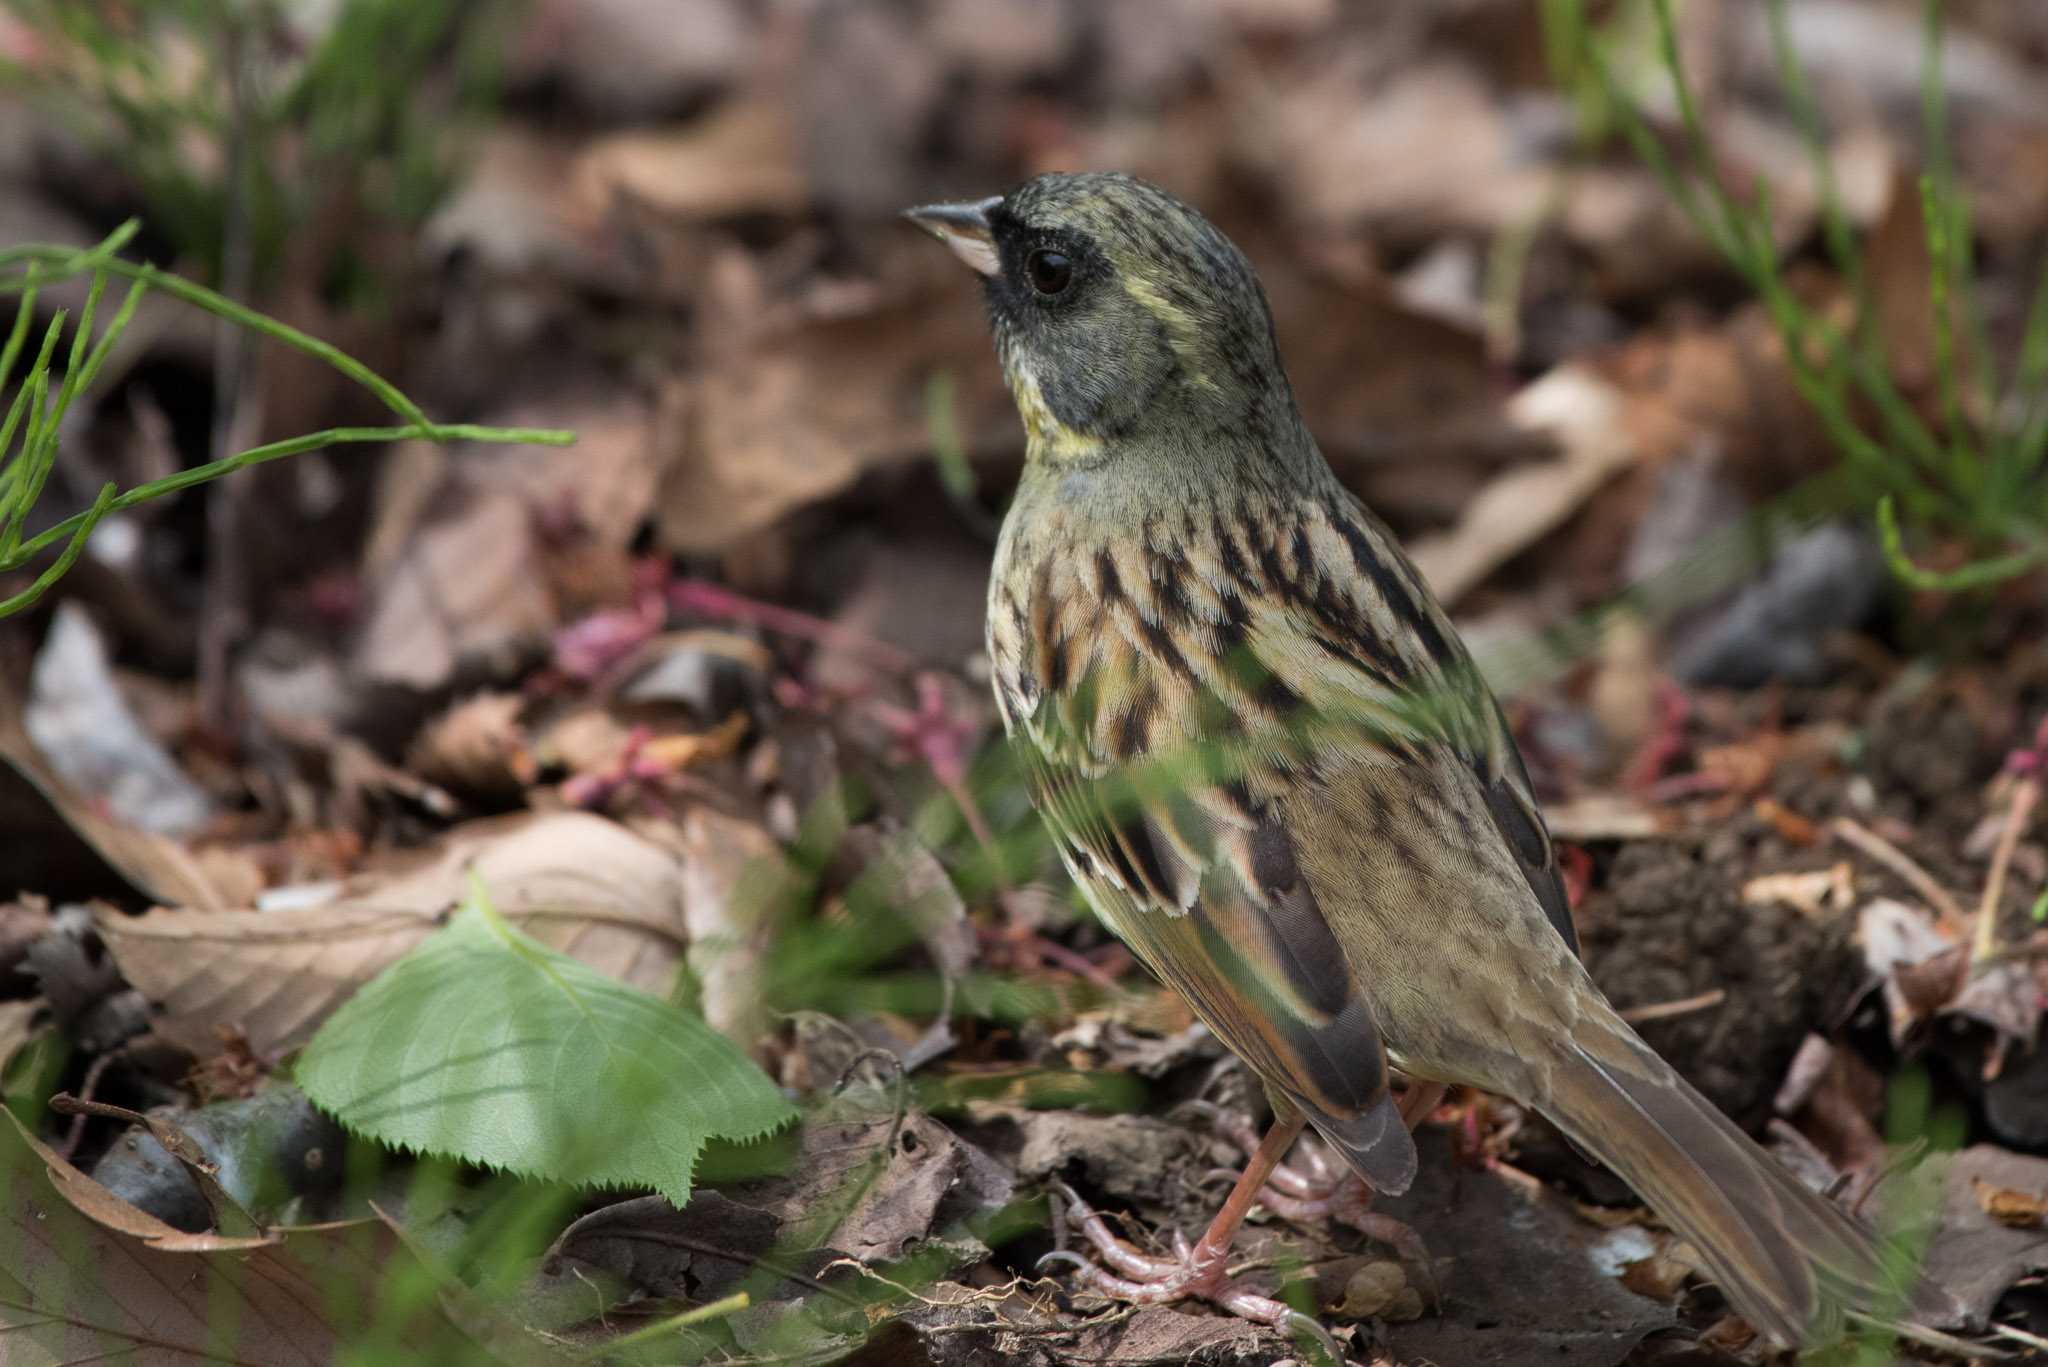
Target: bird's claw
x=1193, y=1271
x=1312, y=1190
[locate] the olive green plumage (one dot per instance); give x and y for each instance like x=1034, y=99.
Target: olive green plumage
x=1264, y=754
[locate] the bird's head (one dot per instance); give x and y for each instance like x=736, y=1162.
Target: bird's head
x=1119, y=313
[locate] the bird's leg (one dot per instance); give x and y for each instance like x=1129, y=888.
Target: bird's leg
x=1310, y=1176
x=1312, y=1189
x=1147, y=1279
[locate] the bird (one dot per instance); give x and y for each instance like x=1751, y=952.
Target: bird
x=1268, y=760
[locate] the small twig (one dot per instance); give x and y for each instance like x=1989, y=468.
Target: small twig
x=2017, y=1335
x=225, y=621
x=1531, y=1185
x=1684, y=1006
x=79, y=1108
x=1984, y=945
x=1899, y=862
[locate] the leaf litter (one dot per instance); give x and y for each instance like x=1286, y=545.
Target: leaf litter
x=699, y=701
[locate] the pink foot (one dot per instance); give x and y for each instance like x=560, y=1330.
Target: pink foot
x=1193, y=1273
x=1314, y=1189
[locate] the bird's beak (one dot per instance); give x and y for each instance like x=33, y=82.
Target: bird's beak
x=964, y=228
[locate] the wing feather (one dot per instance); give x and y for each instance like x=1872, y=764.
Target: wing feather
x=1208, y=893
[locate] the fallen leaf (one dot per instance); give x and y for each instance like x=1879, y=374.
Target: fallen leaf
x=477, y=747
x=1658, y=1277
x=1603, y=816
x=2013, y=1209
x=508, y=213
x=619, y=62
x=1580, y=412
x=1626, y=693
x=1817, y=893
x=21, y=1152
x=466, y=584
x=1974, y=1256
x=676, y=752
x=1837, y=1093
x=577, y=883
x=1380, y=1289
x=90, y=1278
x=740, y=159
x=604, y=484
x=225, y=1214
x=33, y=799
x=1896, y=941
x=1526, y=1285
x=705, y=669
x=733, y=875
x=2005, y=996
x=1790, y=825
x=794, y=411
x=1900, y=272
x=17, y=1025
x=1341, y=154
x=84, y=730
x=23, y=921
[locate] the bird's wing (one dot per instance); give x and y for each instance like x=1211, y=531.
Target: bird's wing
x=1199, y=876
x=1349, y=625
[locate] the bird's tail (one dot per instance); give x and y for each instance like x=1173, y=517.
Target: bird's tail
x=1790, y=1261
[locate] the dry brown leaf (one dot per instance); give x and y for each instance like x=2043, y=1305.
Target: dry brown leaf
x=101, y=1206
x=587, y=741
x=740, y=159
x=1790, y=825
x=1901, y=274
x=793, y=412
x=1837, y=1094
x=17, y=1027
x=83, y=726
x=1602, y=816
x=509, y=215
x=1340, y=155
x=1818, y=893
x=2004, y=996
x=91, y=1278
x=235, y=875
x=679, y=752
x=1624, y=694
x=227, y=1215
x=1657, y=1276
x=23, y=921
x=606, y=479
x=1743, y=766
x=576, y=882
x=466, y=584
x=2013, y=1209
x=732, y=872
x=1380, y=1289
x=1580, y=411
x=477, y=746
x=1902, y=946
x=158, y=868
x=1971, y=1254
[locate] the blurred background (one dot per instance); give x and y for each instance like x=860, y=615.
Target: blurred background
x=672, y=228
x=1635, y=434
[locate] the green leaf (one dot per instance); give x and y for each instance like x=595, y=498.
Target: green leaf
x=485, y=1046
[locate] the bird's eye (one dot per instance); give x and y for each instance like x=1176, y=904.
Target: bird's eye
x=1050, y=271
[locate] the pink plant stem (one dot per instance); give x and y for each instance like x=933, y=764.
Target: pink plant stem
x=713, y=600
